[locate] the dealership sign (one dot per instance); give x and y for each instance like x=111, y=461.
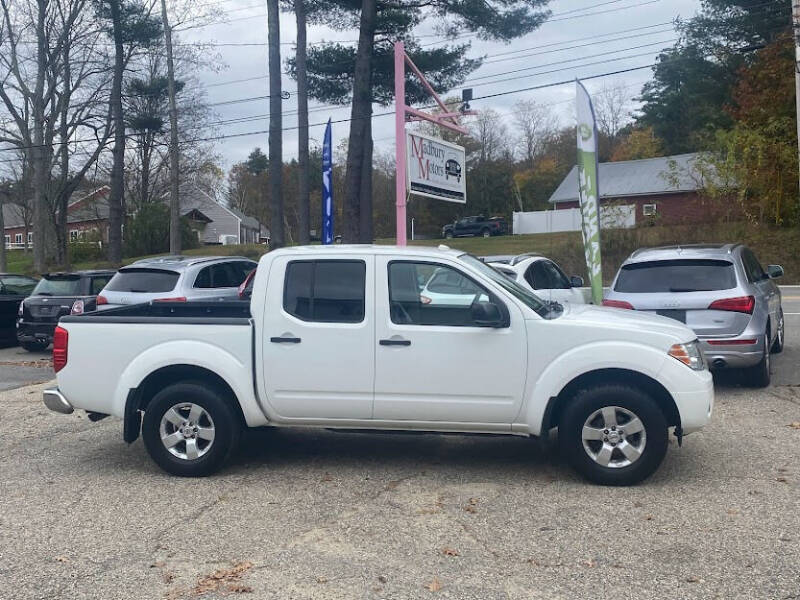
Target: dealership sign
x=436, y=169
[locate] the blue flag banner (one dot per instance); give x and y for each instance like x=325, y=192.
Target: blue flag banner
x=327, y=187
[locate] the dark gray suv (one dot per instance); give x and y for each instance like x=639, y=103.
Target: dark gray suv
x=720, y=291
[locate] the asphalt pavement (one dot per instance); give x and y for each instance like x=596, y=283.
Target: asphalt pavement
x=318, y=514
x=18, y=367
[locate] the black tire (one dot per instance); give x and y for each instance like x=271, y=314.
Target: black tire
x=34, y=346
x=226, y=425
x=777, y=345
x=759, y=375
x=586, y=403
x=486, y=233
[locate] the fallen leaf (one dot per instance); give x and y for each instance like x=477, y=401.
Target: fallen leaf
x=62, y=559
x=693, y=579
x=589, y=563
x=733, y=511
x=321, y=579
x=648, y=518
x=449, y=552
x=794, y=425
x=168, y=578
x=617, y=565
x=471, y=506
x=781, y=479
x=157, y=565
x=435, y=585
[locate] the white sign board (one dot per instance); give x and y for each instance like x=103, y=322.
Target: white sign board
x=436, y=169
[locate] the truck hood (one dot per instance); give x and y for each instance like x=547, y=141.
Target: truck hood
x=629, y=321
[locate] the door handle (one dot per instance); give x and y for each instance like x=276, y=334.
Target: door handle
x=284, y=340
x=395, y=342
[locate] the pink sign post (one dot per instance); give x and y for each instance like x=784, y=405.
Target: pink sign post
x=403, y=113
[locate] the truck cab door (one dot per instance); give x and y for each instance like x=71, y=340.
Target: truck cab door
x=434, y=363
x=318, y=337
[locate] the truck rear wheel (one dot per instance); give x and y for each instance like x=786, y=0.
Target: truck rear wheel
x=613, y=434
x=189, y=429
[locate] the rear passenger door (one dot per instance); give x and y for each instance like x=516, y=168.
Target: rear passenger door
x=318, y=337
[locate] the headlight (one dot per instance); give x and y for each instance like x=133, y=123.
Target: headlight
x=21, y=310
x=689, y=354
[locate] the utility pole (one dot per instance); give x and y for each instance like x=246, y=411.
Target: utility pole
x=796, y=35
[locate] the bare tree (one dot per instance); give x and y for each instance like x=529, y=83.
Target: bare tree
x=174, y=198
x=491, y=135
x=612, y=109
x=535, y=125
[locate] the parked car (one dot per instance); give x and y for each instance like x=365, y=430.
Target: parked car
x=543, y=277
x=13, y=290
x=339, y=337
x=472, y=226
x=57, y=295
x=177, y=279
x=720, y=291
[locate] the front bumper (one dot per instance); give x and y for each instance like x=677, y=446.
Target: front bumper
x=35, y=332
x=55, y=401
x=736, y=356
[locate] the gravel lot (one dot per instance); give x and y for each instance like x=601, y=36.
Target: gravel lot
x=304, y=514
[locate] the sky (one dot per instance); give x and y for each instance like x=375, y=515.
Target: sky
x=559, y=46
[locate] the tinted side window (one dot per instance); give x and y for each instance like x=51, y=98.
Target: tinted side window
x=224, y=275
x=203, y=279
x=97, y=285
x=446, y=298
x=327, y=291
x=543, y=275
x=752, y=267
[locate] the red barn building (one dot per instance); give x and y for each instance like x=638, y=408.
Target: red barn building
x=665, y=190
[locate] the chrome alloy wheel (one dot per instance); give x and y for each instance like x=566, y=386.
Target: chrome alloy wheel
x=614, y=437
x=187, y=431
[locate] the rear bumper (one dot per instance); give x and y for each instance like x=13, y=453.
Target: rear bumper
x=35, y=332
x=736, y=356
x=55, y=401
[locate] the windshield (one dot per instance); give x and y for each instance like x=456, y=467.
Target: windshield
x=671, y=276
x=531, y=300
x=58, y=286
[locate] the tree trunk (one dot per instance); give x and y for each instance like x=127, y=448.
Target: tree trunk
x=174, y=191
x=3, y=266
x=275, y=124
x=304, y=177
x=62, y=205
x=38, y=154
x=144, y=192
x=360, y=115
x=116, y=198
x=365, y=200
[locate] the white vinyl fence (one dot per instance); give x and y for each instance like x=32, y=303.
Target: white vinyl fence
x=569, y=219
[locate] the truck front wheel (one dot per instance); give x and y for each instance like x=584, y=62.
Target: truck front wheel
x=189, y=429
x=613, y=434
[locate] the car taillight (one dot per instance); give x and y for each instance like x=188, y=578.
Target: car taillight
x=77, y=308
x=743, y=304
x=424, y=299
x=60, y=343
x=618, y=304
x=102, y=300
x=176, y=299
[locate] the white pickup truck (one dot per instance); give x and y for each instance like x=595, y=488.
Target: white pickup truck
x=342, y=337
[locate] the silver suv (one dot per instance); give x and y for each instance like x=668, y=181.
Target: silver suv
x=177, y=279
x=720, y=291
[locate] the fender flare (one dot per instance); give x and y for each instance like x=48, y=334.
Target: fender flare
x=638, y=358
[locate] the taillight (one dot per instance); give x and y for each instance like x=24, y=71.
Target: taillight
x=618, y=304
x=743, y=304
x=176, y=299
x=102, y=300
x=424, y=299
x=60, y=343
x=77, y=308
x=243, y=285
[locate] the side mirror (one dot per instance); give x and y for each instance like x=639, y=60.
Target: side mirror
x=487, y=314
x=774, y=271
x=576, y=281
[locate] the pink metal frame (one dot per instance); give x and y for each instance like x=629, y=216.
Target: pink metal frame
x=403, y=113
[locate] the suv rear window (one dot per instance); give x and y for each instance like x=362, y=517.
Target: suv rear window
x=671, y=276
x=58, y=286
x=148, y=281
